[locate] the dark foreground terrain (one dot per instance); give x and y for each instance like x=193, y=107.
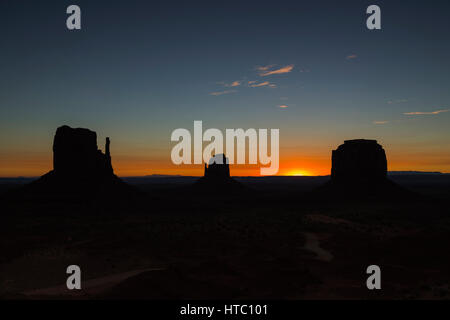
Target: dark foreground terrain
x=275, y=238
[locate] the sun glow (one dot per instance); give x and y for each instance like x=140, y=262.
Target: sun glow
x=298, y=173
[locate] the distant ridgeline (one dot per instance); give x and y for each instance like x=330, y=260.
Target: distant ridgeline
x=420, y=173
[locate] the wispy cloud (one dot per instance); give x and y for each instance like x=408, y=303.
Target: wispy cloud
x=263, y=84
x=397, y=101
x=283, y=106
x=426, y=113
x=219, y=93
x=233, y=84
x=380, y=122
x=351, y=56
x=264, y=68
x=267, y=72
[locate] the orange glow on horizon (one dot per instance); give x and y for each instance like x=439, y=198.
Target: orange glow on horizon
x=292, y=164
x=298, y=173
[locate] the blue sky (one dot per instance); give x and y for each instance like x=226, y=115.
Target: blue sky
x=138, y=70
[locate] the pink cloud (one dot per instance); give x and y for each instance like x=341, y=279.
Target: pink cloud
x=282, y=70
x=426, y=113
x=233, y=84
x=264, y=68
x=262, y=84
x=219, y=93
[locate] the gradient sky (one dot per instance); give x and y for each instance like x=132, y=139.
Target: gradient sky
x=140, y=69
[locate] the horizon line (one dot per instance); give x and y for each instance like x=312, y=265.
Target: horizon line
x=235, y=176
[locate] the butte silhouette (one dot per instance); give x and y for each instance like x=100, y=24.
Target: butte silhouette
x=79, y=167
x=218, y=169
x=359, y=171
x=216, y=178
x=359, y=161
